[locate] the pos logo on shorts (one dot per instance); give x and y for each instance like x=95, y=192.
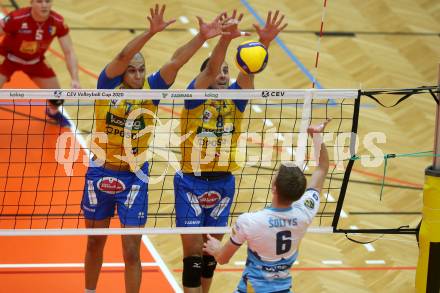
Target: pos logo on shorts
x=111, y=185
x=209, y=199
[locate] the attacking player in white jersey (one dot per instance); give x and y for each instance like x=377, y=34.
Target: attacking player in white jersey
x=274, y=233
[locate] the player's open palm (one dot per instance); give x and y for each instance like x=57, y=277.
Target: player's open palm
x=274, y=25
x=230, y=26
x=157, y=23
x=212, y=29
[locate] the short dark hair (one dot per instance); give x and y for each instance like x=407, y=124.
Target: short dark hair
x=290, y=183
x=204, y=64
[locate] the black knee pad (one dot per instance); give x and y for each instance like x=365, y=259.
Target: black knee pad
x=208, y=268
x=56, y=103
x=192, y=271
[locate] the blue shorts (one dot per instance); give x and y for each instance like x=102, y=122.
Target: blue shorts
x=104, y=189
x=203, y=203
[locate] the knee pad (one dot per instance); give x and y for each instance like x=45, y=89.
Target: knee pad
x=56, y=103
x=192, y=271
x=208, y=268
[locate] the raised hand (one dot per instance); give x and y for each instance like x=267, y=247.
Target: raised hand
x=272, y=28
x=230, y=26
x=75, y=84
x=318, y=128
x=157, y=23
x=212, y=29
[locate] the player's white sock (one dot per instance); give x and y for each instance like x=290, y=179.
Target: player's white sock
x=90, y=291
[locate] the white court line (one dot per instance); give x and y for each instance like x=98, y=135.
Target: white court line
x=375, y=262
x=257, y=109
x=145, y=239
x=161, y=263
x=193, y=31
x=268, y=122
x=343, y=214
x=69, y=265
x=183, y=19
x=368, y=246
x=329, y=197
x=332, y=262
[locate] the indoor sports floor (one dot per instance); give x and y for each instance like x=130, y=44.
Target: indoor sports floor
x=377, y=44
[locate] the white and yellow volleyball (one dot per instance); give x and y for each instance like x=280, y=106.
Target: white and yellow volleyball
x=251, y=57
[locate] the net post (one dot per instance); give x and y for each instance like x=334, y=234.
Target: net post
x=436, y=160
x=428, y=266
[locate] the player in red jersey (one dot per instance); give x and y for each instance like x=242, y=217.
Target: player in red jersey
x=28, y=33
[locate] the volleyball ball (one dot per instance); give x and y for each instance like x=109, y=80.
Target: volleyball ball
x=251, y=57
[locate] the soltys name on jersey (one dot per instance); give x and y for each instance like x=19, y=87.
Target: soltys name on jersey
x=277, y=222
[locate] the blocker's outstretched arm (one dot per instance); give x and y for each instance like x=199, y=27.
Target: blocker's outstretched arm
x=267, y=34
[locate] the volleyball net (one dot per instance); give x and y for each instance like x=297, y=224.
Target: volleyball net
x=43, y=166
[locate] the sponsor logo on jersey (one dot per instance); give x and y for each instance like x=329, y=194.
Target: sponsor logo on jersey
x=275, y=268
x=309, y=203
x=207, y=115
x=121, y=133
x=52, y=30
x=114, y=120
x=28, y=47
x=209, y=199
x=24, y=29
x=217, y=132
x=111, y=185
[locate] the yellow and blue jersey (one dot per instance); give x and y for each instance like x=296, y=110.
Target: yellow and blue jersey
x=214, y=127
x=111, y=117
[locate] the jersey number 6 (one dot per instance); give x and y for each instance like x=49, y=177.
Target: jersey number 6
x=284, y=241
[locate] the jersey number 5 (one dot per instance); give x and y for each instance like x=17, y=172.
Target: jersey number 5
x=284, y=241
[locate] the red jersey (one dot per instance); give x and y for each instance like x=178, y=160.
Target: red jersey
x=27, y=39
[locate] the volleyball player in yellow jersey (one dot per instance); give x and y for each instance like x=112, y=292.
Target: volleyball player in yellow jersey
x=114, y=183
x=205, y=190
